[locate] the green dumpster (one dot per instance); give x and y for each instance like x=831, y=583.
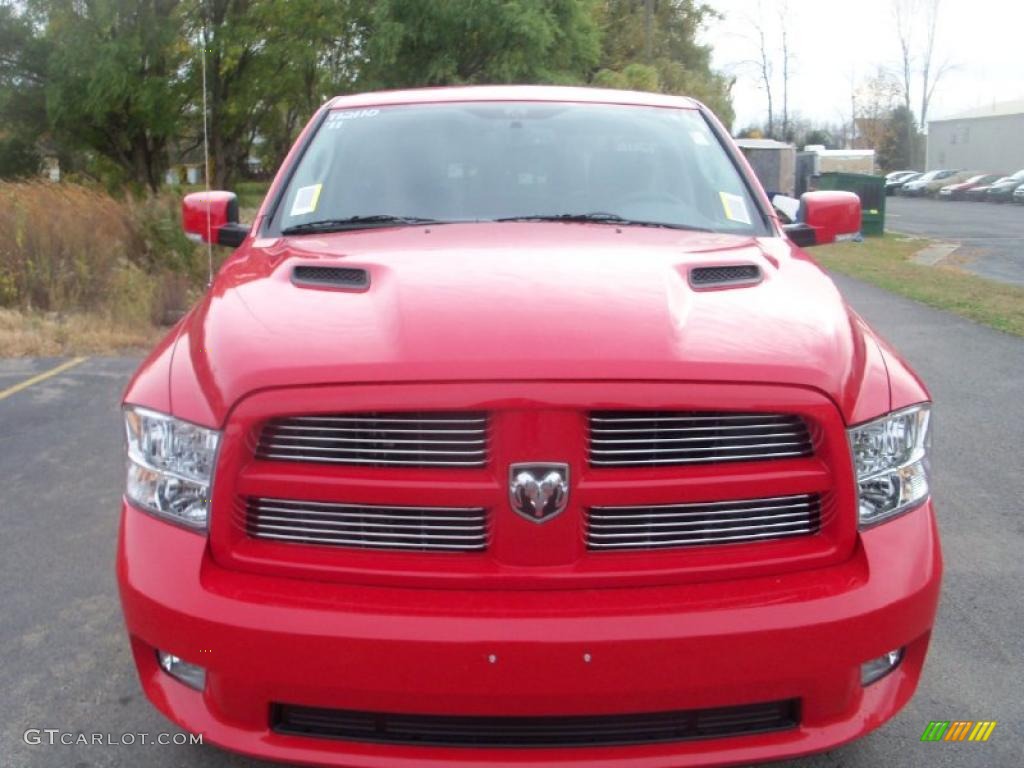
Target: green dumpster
x=871, y=191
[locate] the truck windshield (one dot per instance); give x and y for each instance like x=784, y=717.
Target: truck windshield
x=491, y=161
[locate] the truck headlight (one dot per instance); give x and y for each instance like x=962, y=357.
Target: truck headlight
x=890, y=458
x=170, y=465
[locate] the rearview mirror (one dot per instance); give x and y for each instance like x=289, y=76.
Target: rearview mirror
x=824, y=217
x=212, y=217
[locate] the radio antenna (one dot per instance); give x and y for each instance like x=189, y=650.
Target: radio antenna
x=206, y=169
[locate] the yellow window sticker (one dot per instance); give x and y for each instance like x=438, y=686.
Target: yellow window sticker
x=735, y=208
x=306, y=199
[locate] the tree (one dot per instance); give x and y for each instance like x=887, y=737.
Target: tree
x=926, y=13
x=895, y=152
x=876, y=99
x=929, y=79
x=25, y=59
x=765, y=64
x=232, y=35
x=786, y=59
x=116, y=85
x=663, y=36
x=112, y=80
x=634, y=77
x=438, y=42
x=318, y=51
x=23, y=67
x=269, y=65
x=19, y=158
x=903, y=10
x=821, y=136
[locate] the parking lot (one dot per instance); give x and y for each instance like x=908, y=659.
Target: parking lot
x=66, y=663
x=990, y=236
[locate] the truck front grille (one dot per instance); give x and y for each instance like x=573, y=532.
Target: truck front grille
x=401, y=439
x=664, y=438
x=435, y=529
x=685, y=525
x=537, y=732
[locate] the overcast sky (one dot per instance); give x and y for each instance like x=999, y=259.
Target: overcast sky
x=829, y=39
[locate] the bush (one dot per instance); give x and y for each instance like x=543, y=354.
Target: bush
x=18, y=158
x=164, y=245
x=251, y=193
x=70, y=248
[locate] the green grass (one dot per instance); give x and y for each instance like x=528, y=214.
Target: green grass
x=251, y=193
x=886, y=262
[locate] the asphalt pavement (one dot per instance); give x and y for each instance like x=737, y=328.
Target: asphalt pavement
x=990, y=235
x=64, y=658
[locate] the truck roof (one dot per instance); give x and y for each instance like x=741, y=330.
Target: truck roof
x=511, y=93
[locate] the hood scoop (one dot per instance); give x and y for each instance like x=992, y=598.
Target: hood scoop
x=344, y=278
x=725, y=276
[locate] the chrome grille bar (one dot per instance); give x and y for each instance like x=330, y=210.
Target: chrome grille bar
x=703, y=523
x=452, y=529
x=638, y=438
x=416, y=439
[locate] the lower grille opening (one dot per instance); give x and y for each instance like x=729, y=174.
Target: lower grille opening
x=550, y=731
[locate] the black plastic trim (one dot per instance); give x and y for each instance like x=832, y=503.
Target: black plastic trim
x=725, y=276
x=535, y=732
x=232, y=234
x=318, y=276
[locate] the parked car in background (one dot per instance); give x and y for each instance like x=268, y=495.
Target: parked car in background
x=977, y=194
x=980, y=194
x=1018, y=195
x=959, y=189
x=893, y=182
x=1002, y=191
x=459, y=462
x=917, y=187
x=931, y=189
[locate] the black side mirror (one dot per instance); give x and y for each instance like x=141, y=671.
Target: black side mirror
x=232, y=234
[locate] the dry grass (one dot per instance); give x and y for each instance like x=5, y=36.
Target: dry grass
x=49, y=334
x=60, y=245
x=887, y=263
x=83, y=272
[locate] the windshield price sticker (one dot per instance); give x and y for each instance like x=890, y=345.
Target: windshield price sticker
x=735, y=208
x=306, y=199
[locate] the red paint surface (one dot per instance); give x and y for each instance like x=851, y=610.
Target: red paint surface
x=800, y=634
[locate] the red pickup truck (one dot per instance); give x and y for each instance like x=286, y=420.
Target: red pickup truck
x=518, y=430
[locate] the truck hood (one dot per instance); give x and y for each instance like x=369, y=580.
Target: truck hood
x=515, y=301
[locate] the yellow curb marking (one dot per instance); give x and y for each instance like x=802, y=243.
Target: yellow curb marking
x=41, y=377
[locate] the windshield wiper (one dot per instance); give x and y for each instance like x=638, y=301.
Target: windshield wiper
x=357, y=222
x=601, y=217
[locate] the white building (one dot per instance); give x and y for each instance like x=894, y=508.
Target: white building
x=988, y=139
